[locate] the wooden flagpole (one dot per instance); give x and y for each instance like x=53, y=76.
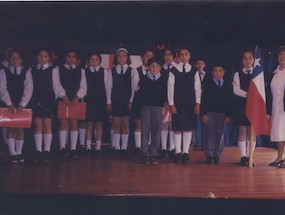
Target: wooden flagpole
x=251, y=146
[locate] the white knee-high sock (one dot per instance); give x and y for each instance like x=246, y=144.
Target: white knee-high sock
x=11, y=146
x=177, y=142
x=149, y=138
x=242, y=148
x=125, y=138
x=19, y=146
x=112, y=138
x=39, y=142
x=88, y=144
x=47, y=142
x=73, y=139
x=171, y=140
x=247, y=148
x=164, y=135
x=98, y=145
x=116, y=140
x=138, y=139
x=187, y=136
x=62, y=139
x=82, y=136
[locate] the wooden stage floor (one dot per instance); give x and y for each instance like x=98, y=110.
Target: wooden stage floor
x=109, y=176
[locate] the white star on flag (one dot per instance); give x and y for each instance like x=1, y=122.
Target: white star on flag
x=256, y=62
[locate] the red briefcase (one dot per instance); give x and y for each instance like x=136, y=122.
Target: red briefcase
x=17, y=120
x=77, y=112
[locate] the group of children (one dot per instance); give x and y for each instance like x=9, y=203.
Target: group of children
x=178, y=90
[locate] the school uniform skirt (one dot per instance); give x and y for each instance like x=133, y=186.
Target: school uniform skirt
x=239, y=117
x=120, y=105
x=44, y=109
x=136, y=107
x=96, y=112
x=185, y=119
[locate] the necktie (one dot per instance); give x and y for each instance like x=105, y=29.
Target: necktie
x=201, y=76
x=184, y=71
x=94, y=69
x=248, y=72
x=42, y=67
x=122, y=70
x=153, y=77
x=70, y=68
x=168, y=68
x=15, y=72
x=219, y=83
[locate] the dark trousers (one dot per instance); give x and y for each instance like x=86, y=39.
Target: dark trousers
x=215, y=132
x=151, y=123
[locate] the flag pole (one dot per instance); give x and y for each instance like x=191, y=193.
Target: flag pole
x=251, y=146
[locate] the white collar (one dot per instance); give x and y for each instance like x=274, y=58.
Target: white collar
x=278, y=70
x=165, y=66
x=67, y=66
x=244, y=70
x=96, y=69
x=45, y=66
x=179, y=66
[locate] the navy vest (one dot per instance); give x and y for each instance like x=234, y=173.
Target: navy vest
x=70, y=81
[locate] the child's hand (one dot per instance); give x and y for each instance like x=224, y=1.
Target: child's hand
x=166, y=106
x=74, y=101
x=197, y=109
x=109, y=108
x=65, y=100
x=172, y=109
x=130, y=106
x=227, y=120
x=20, y=109
x=12, y=109
x=205, y=119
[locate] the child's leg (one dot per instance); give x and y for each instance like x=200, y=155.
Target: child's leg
x=138, y=133
x=219, y=139
x=156, y=126
x=112, y=136
x=11, y=141
x=4, y=134
x=242, y=140
x=73, y=134
x=47, y=134
x=146, y=127
x=164, y=135
x=117, y=131
x=82, y=133
x=19, y=142
x=99, y=133
x=89, y=135
x=171, y=139
x=63, y=133
x=38, y=137
x=187, y=135
x=125, y=132
x=177, y=141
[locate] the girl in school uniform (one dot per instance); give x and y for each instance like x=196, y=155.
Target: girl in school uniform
x=275, y=93
x=240, y=88
x=47, y=89
x=142, y=71
x=96, y=112
x=122, y=83
x=184, y=97
x=73, y=81
x=168, y=55
x=16, y=88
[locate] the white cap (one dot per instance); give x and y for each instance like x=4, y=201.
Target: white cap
x=121, y=49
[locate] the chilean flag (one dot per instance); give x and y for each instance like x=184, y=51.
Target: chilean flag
x=256, y=100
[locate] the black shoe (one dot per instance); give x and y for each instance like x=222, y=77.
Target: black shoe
x=63, y=153
x=277, y=164
x=21, y=158
x=146, y=160
x=153, y=160
x=217, y=161
x=82, y=150
x=243, y=161
x=163, y=154
x=253, y=163
x=137, y=154
x=73, y=154
x=171, y=154
x=185, y=158
x=38, y=156
x=178, y=158
x=13, y=159
x=46, y=156
x=209, y=160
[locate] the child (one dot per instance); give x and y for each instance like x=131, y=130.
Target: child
x=96, y=100
x=16, y=88
x=184, y=96
x=73, y=81
x=240, y=88
x=168, y=55
x=122, y=83
x=142, y=71
x=199, y=134
x=47, y=89
x=216, y=108
x=153, y=90
x=276, y=107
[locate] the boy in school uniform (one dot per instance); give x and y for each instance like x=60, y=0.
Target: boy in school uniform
x=216, y=110
x=153, y=91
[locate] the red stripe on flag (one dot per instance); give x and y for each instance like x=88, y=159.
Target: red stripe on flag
x=256, y=110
